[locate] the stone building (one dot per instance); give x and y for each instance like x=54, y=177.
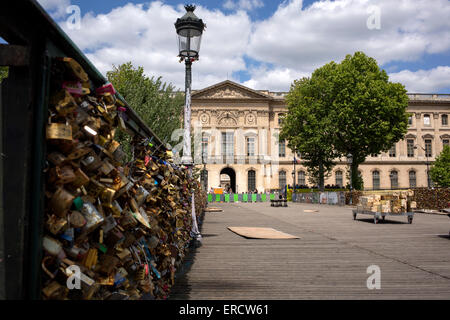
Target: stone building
x=237, y=139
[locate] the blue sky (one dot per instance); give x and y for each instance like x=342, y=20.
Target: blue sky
x=268, y=44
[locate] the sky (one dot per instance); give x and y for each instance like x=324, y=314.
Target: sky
x=264, y=44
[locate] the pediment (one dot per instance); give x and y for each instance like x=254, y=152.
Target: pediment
x=228, y=90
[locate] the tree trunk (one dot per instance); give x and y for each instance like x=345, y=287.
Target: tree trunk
x=321, y=177
x=356, y=185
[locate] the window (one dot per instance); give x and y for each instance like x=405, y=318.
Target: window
x=444, y=120
x=227, y=144
x=280, y=118
x=282, y=148
x=251, y=180
x=376, y=180
x=426, y=120
x=301, y=178
x=204, y=179
x=394, y=179
x=428, y=150
x=445, y=142
x=204, y=148
x=250, y=146
x=392, y=152
x=410, y=120
x=282, y=179
x=412, y=179
x=339, y=181
x=410, y=148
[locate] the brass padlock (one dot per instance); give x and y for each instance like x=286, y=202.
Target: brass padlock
x=59, y=131
x=75, y=69
x=81, y=179
x=63, y=102
x=56, y=158
x=61, y=175
x=61, y=202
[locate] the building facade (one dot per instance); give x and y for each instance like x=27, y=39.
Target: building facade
x=237, y=144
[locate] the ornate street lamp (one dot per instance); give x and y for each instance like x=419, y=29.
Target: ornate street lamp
x=189, y=30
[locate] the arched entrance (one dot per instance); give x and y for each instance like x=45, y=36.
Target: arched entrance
x=232, y=178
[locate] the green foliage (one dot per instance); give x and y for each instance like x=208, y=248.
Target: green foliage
x=307, y=124
x=440, y=172
x=156, y=102
x=346, y=108
x=369, y=114
x=3, y=73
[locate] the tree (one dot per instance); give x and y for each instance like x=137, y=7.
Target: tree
x=440, y=171
x=308, y=125
x=156, y=102
x=369, y=112
x=3, y=73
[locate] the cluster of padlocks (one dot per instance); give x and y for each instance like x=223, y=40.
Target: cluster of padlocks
x=113, y=229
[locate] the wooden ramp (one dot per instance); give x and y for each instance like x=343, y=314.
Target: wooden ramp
x=261, y=233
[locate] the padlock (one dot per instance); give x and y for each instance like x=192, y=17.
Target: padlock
x=59, y=131
x=91, y=162
x=108, y=264
x=55, y=291
x=76, y=219
x=93, y=218
x=107, y=195
x=56, y=158
x=81, y=179
x=63, y=102
x=128, y=221
x=95, y=188
x=55, y=224
x=114, y=237
x=61, y=175
x=60, y=202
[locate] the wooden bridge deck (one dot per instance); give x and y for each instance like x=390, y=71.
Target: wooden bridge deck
x=329, y=261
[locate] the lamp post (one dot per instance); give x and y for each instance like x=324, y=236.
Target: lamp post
x=350, y=161
x=428, y=170
x=189, y=30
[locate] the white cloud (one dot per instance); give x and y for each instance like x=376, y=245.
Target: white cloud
x=243, y=4
x=293, y=41
x=306, y=38
x=423, y=81
x=278, y=79
x=56, y=8
x=145, y=35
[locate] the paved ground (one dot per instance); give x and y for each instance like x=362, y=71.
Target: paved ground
x=329, y=261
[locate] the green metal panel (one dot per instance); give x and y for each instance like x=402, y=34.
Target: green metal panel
x=227, y=198
x=245, y=197
x=217, y=197
x=210, y=198
x=236, y=198
x=263, y=197
x=254, y=197
x=272, y=196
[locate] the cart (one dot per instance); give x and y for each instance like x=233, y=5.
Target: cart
x=382, y=215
